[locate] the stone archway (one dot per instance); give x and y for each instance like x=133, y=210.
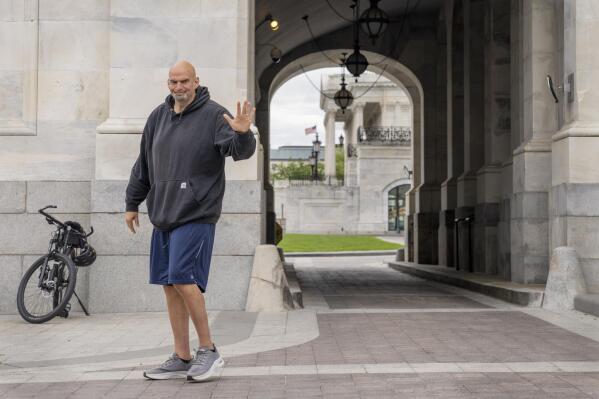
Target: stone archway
x=391, y=69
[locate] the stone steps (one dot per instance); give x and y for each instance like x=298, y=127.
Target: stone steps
x=294, y=287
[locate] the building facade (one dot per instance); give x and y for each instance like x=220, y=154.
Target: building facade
x=286, y=154
x=78, y=80
x=496, y=161
x=377, y=158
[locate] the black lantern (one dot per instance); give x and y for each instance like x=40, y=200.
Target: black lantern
x=341, y=140
x=374, y=21
x=343, y=97
x=356, y=63
x=314, y=157
x=316, y=145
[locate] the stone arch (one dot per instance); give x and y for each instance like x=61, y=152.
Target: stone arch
x=412, y=59
x=395, y=71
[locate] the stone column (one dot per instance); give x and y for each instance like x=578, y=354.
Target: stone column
x=346, y=136
x=474, y=117
x=329, y=142
x=575, y=170
x=440, y=129
x=350, y=172
x=532, y=159
x=455, y=129
x=504, y=246
x=262, y=120
x=357, y=121
x=497, y=148
x=346, y=133
x=427, y=190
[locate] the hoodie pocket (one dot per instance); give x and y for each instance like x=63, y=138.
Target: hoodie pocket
x=171, y=201
x=206, y=190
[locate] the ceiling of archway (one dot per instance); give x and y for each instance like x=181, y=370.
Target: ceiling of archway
x=323, y=20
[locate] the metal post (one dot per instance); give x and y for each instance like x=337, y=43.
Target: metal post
x=470, y=254
x=457, y=221
x=457, y=243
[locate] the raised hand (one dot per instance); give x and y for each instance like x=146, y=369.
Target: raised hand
x=243, y=119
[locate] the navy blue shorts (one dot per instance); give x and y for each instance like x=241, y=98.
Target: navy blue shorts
x=182, y=255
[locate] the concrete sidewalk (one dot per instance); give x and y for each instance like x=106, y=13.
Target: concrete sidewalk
x=90, y=347
x=367, y=331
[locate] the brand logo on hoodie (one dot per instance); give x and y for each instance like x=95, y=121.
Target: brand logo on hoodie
x=184, y=185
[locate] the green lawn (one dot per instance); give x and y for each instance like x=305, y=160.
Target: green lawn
x=333, y=243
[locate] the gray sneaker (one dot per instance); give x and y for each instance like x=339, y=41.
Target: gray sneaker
x=206, y=364
x=173, y=367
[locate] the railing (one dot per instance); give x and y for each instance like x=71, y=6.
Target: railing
x=386, y=135
x=308, y=180
x=320, y=182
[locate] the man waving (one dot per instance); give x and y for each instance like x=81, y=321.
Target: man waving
x=180, y=174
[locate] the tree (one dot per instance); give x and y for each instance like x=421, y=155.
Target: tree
x=339, y=163
x=299, y=170
x=295, y=170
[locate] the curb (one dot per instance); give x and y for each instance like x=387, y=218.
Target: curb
x=340, y=253
x=518, y=294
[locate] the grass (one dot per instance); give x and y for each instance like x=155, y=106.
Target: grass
x=333, y=243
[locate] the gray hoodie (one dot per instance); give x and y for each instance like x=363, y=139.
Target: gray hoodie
x=180, y=171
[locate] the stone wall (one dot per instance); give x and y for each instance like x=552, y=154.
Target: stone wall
x=25, y=234
x=317, y=208
x=573, y=212
x=78, y=79
x=357, y=208
x=379, y=169
x=123, y=262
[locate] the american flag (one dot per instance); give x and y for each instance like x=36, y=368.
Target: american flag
x=310, y=130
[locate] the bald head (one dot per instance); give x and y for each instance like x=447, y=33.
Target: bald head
x=184, y=67
x=182, y=83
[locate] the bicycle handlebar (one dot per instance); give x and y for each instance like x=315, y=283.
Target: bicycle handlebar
x=58, y=222
x=50, y=217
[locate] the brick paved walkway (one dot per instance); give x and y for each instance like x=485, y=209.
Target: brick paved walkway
x=430, y=337
x=421, y=386
x=368, y=332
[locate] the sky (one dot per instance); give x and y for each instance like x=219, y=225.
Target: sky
x=294, y=107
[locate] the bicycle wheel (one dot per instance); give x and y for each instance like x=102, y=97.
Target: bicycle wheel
x=40, y=297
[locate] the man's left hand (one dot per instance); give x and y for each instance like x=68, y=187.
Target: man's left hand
x=243, y=119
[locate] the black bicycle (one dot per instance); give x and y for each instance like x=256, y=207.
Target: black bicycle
x=48, y=285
